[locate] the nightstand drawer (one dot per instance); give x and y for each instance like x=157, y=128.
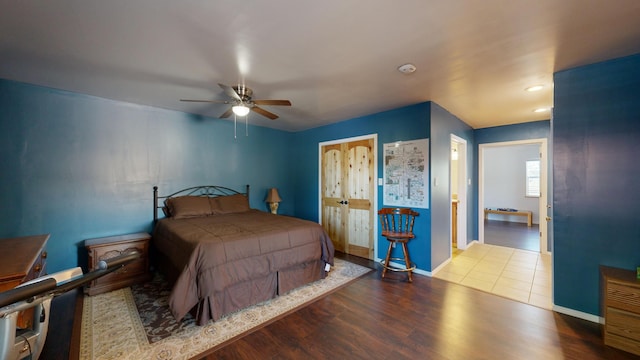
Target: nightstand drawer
x=623, y=297
x=113, y=246
x=132, y=269
x=623, y=323
x=620, y=301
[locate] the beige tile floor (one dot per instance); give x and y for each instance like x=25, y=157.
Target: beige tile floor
x=520, y=275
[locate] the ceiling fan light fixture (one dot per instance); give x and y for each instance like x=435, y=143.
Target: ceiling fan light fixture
x=240, y=110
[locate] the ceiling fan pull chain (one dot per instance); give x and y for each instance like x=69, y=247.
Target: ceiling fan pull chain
x=246, y=125
x=235, y=122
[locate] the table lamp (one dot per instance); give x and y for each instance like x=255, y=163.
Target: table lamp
x=273, y=198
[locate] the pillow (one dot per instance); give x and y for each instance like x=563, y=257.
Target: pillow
x=229, y=204
x=188, y=206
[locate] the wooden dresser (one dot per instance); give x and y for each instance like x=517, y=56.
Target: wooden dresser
x=621, y=309
x=112, y=246
x=22, y=259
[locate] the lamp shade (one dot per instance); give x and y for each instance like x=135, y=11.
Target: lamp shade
x=240, y=110
x=273, y=196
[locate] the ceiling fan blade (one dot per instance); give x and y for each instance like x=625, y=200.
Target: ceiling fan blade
x=208, y=101
x=230, y=92
x=226, y=114
x=264, y=113
x=272, y=102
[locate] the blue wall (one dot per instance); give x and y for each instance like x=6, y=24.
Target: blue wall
x=596, y=129
x=443, y=124
x=407, y=123
x=425, y=120
x=79, y=167
x=524, y=131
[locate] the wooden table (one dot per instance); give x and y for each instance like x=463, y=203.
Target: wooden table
x=528, y=214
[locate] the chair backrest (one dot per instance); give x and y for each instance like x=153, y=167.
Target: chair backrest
x=397, y=221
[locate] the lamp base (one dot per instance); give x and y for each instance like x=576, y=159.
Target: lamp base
x=274, y=207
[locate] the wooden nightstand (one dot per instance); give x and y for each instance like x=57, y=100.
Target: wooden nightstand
x=112, y=246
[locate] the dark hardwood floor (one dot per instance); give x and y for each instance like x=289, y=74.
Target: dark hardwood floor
x=512, y=234
x=373, y=318
x=429, y=319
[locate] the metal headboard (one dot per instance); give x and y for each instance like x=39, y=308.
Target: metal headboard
x=205, y=190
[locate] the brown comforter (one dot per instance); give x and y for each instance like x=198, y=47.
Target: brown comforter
x=216, y=252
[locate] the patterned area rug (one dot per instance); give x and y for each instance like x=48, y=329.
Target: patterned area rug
x=151, y=302
x=112, y=327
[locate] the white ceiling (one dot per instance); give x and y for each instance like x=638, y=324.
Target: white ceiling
x=334, y=59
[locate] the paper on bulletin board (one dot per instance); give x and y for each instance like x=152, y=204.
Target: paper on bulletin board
x=406, y=174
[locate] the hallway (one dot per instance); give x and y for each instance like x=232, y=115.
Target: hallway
x=516, y=274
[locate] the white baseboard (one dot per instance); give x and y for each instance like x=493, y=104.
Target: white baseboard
x=435, y=271
x=556, y=308
x=578, y=314
x=473, y=242
x=401, y=266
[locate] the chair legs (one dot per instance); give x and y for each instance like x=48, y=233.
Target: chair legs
x=386, y=260
x=407, y=261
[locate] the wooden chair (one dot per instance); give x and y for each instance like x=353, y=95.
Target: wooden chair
x=397, y=226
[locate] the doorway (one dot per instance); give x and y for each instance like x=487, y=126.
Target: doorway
x=348, y=196
x=540, y=209
x=458, y=193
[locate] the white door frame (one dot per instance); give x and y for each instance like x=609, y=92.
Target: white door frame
x=542, y=203
x=462, y=194
x=375, y=176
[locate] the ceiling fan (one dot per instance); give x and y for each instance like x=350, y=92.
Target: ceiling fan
x=242, y=103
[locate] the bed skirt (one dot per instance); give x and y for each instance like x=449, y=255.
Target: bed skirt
x=241, y=295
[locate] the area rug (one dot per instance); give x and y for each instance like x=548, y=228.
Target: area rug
x=112, y=327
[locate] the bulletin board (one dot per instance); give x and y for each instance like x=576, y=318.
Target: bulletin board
x=406, y=174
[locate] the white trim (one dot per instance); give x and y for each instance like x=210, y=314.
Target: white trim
x=578, y=314
x=423, y=272
x=439, y=267
x=542, y=203
x=473, y=242
x=401, y=266
x=375, y=175
x=463, y=200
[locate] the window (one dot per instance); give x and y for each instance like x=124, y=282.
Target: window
x=533, y=178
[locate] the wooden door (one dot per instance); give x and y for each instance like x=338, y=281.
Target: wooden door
x=347, y=187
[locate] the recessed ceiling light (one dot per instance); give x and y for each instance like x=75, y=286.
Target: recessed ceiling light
x=407, y=68
x=535, y=88
x=540, y=110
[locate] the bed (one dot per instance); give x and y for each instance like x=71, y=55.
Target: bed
x=221, y=256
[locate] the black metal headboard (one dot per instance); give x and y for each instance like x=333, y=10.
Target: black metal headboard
x=205, y=190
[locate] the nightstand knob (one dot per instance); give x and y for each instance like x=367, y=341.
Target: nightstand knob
x=44, y=254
